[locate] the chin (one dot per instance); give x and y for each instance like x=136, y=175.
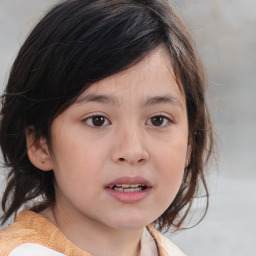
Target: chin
x=130, y=221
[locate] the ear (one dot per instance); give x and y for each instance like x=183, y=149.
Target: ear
x=188, y=155
x=38, y=151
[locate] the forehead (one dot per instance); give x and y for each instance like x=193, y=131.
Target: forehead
x=151, y=77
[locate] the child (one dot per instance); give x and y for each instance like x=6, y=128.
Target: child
x=104, y=126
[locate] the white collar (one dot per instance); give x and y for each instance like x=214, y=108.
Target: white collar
x=148, y=245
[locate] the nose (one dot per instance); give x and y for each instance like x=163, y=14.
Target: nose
x=130, y=147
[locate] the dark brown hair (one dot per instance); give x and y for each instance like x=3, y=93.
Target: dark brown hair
x=77, y=43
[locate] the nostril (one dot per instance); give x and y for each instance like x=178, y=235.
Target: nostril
x=121, y=159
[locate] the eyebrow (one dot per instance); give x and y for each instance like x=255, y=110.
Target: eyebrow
x=97, y=98
x=169, y=99
x=164, y=99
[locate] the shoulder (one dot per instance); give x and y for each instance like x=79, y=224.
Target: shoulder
x=21, y=238
x=14, y=236
x=31, y=249
x=165, y=246
x=33, y=234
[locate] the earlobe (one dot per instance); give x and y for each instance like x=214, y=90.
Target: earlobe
x=38, y=151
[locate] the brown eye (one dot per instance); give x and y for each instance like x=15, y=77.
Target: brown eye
x=97, y=121
x=159, y=121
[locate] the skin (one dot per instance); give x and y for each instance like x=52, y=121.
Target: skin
x=128, y=142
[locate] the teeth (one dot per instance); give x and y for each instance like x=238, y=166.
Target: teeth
x=128, y=187
x=135, y=185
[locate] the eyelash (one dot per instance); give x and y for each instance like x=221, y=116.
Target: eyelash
x=89, y=121
x=167, y=121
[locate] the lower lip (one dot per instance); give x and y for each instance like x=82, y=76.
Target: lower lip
x=129, y=197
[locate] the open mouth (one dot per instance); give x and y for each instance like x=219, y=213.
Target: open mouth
x=128, y=187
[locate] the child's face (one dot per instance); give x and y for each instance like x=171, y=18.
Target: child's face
x=130, y=128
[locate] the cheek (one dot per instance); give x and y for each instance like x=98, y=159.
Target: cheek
x=170, y=163
x=170, y=171
x=77, y=162
x=172, y=152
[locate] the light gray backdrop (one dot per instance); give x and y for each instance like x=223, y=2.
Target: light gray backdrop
x=225, y=34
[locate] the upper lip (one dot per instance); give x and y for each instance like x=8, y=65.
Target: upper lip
x=130, y=180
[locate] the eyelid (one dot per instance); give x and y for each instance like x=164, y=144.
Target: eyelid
x=165, y=116
x=90, y=116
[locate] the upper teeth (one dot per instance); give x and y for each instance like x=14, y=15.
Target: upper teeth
x=127, y=185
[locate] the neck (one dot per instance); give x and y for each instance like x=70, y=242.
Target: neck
x=96, y=239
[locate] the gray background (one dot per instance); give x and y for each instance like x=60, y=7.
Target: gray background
x=225, y=34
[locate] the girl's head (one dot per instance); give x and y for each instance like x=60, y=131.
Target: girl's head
x=83, y=49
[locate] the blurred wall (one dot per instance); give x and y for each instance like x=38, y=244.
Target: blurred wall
x=225, y=32
x=225, y=35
